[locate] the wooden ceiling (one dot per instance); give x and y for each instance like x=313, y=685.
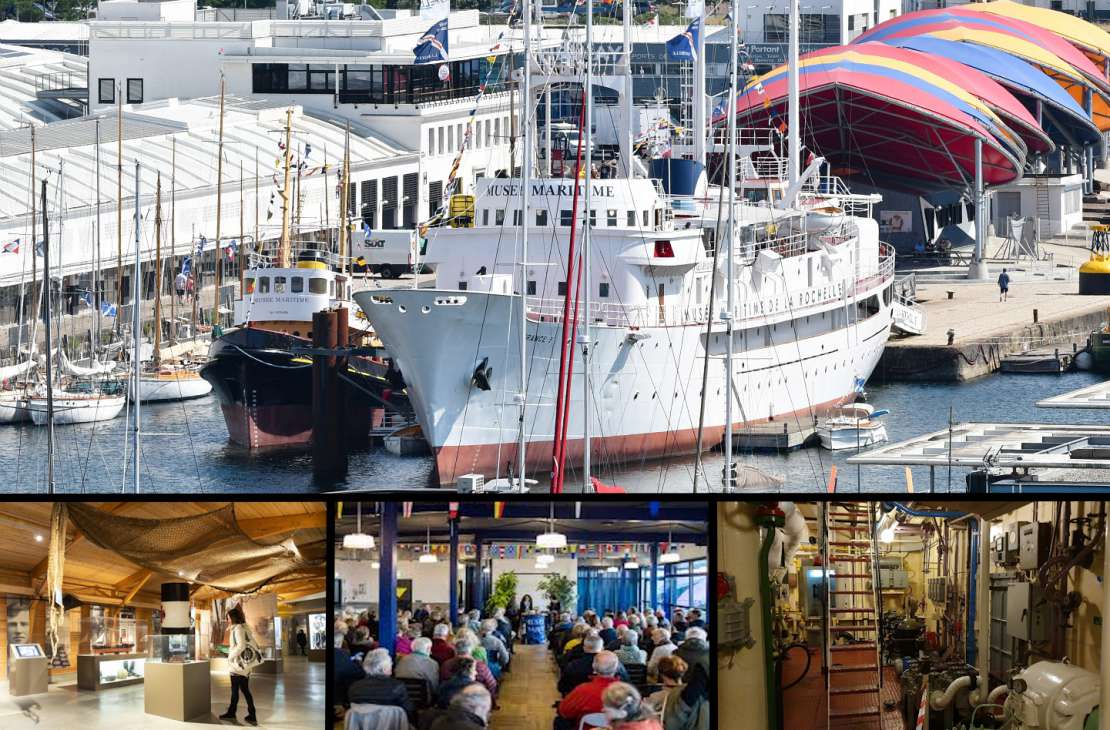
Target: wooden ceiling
x=94, y=574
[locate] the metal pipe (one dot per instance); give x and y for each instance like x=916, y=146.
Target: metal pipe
x=983, y=604
x=939, y=700
x=587, y=239
x=794, y=151
x=525, y=184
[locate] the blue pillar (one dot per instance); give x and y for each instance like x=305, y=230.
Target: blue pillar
x=480, y=575
x=387, y=578
x=453, y=574
x=654, y=590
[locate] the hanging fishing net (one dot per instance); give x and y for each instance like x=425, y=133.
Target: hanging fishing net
x=209, y=548
x=56, y=630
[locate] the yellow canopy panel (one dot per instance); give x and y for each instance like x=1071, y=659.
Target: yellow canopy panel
x=1090, y=38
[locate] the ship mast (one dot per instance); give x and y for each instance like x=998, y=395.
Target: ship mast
x=96, y=269
x=49, y=344
x=219, y=207
x=284, y=247
x=525, y=185
x=587, y=235
x=794, y=146
x=119, y=206
x=344, y=211
x=730, y=238
x=158, y=271
x=137, y=332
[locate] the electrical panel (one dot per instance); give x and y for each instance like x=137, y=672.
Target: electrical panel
x=1013, y=543
x=1028, y=615
x=895, y=578
x=998, y=549
x=937, y=590
x=1034, y=544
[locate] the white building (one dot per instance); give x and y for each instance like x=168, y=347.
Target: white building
x=835, y=22
x=356, y=70
x=158, y=135
x=34, y=85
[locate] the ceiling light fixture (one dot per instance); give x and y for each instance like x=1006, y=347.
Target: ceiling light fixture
x=671, y=556
x=358, y=540
x=428, y=556
x=551, y=539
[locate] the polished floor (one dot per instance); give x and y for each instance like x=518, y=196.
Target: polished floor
x=293, y=700
x=528, y=692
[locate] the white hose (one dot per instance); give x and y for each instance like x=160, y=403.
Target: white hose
x=939, y=700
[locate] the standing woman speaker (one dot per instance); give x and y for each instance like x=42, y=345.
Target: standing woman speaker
x=243, y=656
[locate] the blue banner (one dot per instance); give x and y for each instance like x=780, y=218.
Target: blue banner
x=432, y=47
x=684, y=46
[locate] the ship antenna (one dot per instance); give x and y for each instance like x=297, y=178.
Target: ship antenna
x=584, y=336
x=283, y=248
x=525, y=185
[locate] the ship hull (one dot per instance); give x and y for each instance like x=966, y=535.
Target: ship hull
x=265, y=390
x=645, y=380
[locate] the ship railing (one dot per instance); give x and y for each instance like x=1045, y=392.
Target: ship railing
x=612, y=314
x=790, y=244
x=871, y=276
x=746, y=136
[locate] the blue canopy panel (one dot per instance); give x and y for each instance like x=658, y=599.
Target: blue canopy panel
x=1068, y=124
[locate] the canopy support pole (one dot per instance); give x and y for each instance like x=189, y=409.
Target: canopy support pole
x=453, y=575
x=387, y=579
x=654, y=589
x=1088, y=151
x=480, y=575
x=978, y=269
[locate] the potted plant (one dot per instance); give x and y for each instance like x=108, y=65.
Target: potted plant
x=504, y=591
x=558, y=587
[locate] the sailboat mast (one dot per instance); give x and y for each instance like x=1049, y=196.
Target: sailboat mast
x=158, y=271
x=219, y=209
x=137, y=331
x=173, y=229
x=700, y=127
x=119, y=205
x=34, y=239
x=587, y=235
x=525, y=190
x=242, y=222
x=730, y=238
x=96, y=269
x=49, y=347
x=794, y=147
x=284, y=247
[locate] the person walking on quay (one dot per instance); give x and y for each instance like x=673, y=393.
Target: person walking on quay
x=1003, y=285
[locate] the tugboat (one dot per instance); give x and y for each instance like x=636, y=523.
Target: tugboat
x=263, y=384
x=256, y=367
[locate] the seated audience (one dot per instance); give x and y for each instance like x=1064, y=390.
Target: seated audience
x=419, y=664
x=585, y=699
x=630, y=651
x=378, y=687
x=625, y=710
x=469, y=710
x=580, y=670
x=464, y=672
x=695, y=649
x=663, y=647
x=441, y=645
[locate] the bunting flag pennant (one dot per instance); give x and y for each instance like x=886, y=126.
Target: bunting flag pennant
x=307, y=150
x=453, y=510
x=108, y=309
x=498, y=510
x=201, y=245
x=11, y=246
x=40, y=249
x=187, y=265
x=432, y=47
x=832, y=479
x=684, y=46
x=406, y=509
x=86, y=298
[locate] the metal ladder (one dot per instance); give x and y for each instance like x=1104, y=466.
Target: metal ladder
x=853, y=676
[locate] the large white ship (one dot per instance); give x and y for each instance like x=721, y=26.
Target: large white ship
x=812, y=315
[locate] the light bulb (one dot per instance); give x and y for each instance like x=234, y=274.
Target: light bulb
x=887, y=535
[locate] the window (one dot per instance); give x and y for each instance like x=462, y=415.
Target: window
x=134, y=91
x=531, y=291
x=431, y=141
x=450, y=139
x=603, y=290
x=593, y=217
x=497, y=130
x=518, y=218
x=331, y=287
x=459, y=134
x=107, y=91
x=645, y=218
x=562, y=288
x=279, y=285
x=851, y=22
x=611, y=217
x=631, y=219
x=435, y=197
x=684, y=586
x=566, y=218
x=485, y=216
x=263, y=285
x=439, y=133
x=248, y=285
x=317, y=285
x=541, y=217
x=462, y=286
x=296, y=284
x=499, y=217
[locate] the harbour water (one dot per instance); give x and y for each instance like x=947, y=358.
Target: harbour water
x=185, y=449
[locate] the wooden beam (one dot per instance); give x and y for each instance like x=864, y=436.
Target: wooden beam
x=258, y=528
x=137, y=587
x=39, y=571
x=142, y=574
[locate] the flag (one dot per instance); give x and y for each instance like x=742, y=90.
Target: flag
x=187, y=265
x=432, y=47
x=406, y=509
x=832, y=479
x=12, y=246
x=40, y=247
x=108, y=309
x=453, y=510
x=86, y=298
x=684, y=46
x=201, y=243
x=307, y=150
x=366, y=228
x=498, y=510
x=435, y=10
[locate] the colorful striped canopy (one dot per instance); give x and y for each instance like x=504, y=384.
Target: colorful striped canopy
x=1061, y=118
x=877, y=109
x=1054, y=55
x=1090, y=38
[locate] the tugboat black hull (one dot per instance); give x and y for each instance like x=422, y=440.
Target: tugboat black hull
x=265, y=389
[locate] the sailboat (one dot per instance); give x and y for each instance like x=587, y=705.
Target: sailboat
x=79, y=399
x=166, y=379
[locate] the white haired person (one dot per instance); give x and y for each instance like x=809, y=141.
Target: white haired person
x=663, y=647
x=630, y=651
x=497, y=654
x=418, y=664
x=469, y=710
x=626, y=710
x=379, y=687
x=694, y=649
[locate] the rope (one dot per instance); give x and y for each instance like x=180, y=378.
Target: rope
x=260, y=361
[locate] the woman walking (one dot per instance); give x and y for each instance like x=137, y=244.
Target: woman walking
x=243, y=656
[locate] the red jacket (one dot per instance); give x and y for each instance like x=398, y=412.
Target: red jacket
x=584, y=699
x=441, y=650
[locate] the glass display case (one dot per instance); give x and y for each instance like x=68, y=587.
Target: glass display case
x=102, y=633
x=102, y=671
x=317, y=631
x=171, y=648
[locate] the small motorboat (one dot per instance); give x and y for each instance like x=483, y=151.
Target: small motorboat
x=853, y=426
